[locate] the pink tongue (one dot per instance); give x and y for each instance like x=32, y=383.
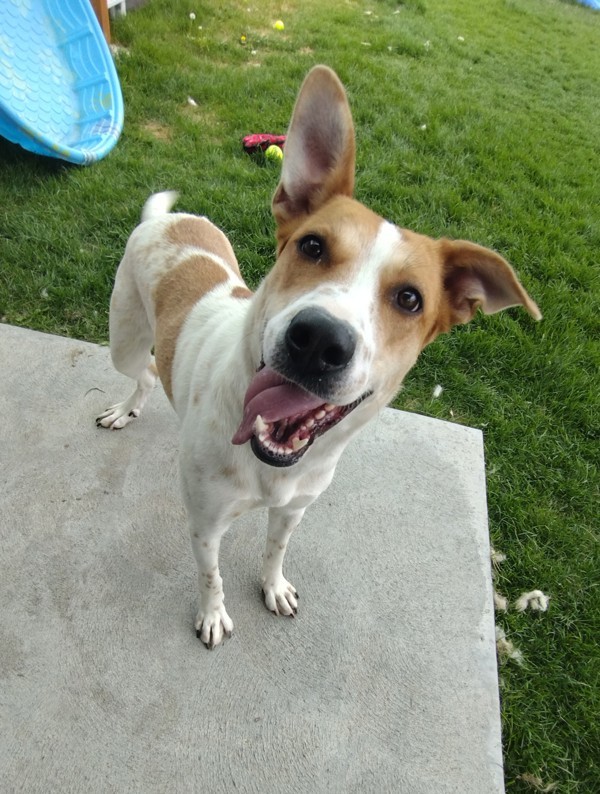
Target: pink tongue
x=274, y=398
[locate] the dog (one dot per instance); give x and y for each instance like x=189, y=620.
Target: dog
x=270, y=387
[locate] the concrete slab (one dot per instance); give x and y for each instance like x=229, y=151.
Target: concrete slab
x=382, y=683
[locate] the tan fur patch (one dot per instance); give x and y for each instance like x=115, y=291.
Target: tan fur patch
x=201, y=233
x=404, y=335
x=345, y=225
x=241, y=292
x=175, y=295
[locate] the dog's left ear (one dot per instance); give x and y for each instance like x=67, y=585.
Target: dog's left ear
x=476, y=277
x=318, y=160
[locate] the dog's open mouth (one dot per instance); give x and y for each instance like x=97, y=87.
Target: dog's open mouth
x=281, y=420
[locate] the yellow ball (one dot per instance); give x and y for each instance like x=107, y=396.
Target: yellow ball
x=279, y=25
x=274, y=153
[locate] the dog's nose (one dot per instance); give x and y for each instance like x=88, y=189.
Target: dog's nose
x=318, y=343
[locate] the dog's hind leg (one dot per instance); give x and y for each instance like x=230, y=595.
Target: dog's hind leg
x=131, y=340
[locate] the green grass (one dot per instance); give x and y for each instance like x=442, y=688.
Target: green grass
x=509, y=158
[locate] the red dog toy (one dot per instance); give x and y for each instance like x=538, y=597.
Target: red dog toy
x=262, y=141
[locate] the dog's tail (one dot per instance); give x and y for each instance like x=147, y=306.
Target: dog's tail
x=159, y=204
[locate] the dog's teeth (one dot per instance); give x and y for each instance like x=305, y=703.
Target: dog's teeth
x=299, y=443
x=320, y=414
x=262, y=437
x=260, y=425
x=328, y=407
x=309, y=423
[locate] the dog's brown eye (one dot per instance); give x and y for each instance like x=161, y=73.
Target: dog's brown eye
x=311, y=246
x=409, y=300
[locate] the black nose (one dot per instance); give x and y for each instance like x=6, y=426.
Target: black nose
x=318, y=343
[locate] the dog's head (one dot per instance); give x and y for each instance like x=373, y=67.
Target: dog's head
x=352, y=299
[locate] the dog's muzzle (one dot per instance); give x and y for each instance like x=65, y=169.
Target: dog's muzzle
x=288, y=405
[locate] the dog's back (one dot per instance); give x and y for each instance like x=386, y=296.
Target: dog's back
x=170, y=263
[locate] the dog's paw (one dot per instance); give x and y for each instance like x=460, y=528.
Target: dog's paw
x=117, y=416
x=280, y=597
x=212, y=626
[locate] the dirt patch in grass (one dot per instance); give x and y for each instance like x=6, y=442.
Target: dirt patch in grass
x=157, y=130
x=207, y=120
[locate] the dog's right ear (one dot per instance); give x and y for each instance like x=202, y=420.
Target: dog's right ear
x=318, y=161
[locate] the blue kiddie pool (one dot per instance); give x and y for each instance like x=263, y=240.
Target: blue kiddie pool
x=59, y=91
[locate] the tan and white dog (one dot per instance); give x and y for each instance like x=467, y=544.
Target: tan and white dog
x=270, y=387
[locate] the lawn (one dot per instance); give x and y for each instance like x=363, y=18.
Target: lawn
x=474, y=120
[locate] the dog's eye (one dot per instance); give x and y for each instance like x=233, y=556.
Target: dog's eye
x=409, y=300
x=311, y=246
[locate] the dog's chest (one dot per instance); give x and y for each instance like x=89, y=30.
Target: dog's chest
x=285, y=490
x=249, y=484
x=294, y=488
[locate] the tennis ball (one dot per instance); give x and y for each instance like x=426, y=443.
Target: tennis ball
x=279, y=25
x=274, y=153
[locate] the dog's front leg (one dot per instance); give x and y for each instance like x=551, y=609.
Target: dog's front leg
x=213, y=623
x=208, y=521
x=280, y=595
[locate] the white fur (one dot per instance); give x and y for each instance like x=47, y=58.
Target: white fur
x=159, y=204
x=535, y=600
